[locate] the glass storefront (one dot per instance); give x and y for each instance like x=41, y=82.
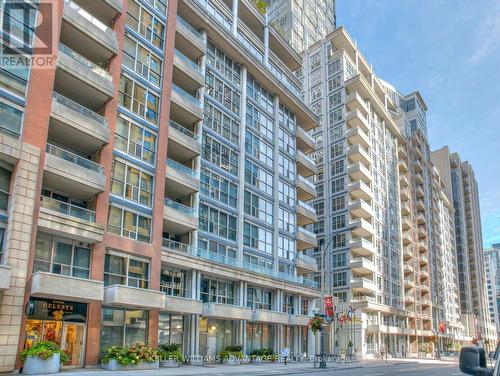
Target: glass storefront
x=170, y=328
x=215, y=335
x=123, y=327
x=259, y=336
x=58, y=321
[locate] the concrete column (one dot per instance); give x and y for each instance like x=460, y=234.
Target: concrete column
x=241, y=168
x=276, y=183
x=266, y=39
x=234, y=26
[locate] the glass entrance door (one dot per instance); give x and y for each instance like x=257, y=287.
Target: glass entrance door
x=73, y=339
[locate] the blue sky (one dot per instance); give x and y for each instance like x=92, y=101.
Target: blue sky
x=449, y=50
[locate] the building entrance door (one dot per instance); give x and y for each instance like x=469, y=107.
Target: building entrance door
x=72, y=343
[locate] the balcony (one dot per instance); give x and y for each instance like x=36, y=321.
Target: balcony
x=78, y=77
x=362, y=265
x=424, y=274
x=305, y=189
x=184, y=107
x=358, y=154
x=405, y=223
x=226, y=311
x=306, y=264
x=423, y=260
x=183, y=305
x=362, y=247
x=358, y=172
x=402, y=153
x=407, y=253
x=106, y=10
x=80, y=127
x=425, y=302
x=305, y=165
x=362, y=285
x=355, y=119
x=409, y=282
x=81, y=29
x=188, y=40
x=64, y=287
x=403, y=166
x=422, y=231
x=360, y=190
x=420, y=192
x=404, y=194
x=357, y=136
x=419, y=178
x=186, y=72
x=305, y=239
x=76, y=175
x=360, y=209
x=406, y=236
x=405, y=208
x=265, y=316
x=133, y=297
x=409, y=299
x=362, y=228
x=422, y=246
x=305, y=143
x=408, y=269
x=70, y=221
x=183, y=145
x=421, y=218
x=178, y=218
x=306, y=214
x=420, y=205
x=403, y=180
x=181, y=180
x=5, y=272
x=354, y=101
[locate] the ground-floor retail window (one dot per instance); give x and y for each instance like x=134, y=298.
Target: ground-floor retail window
x=61, y=322
x=170, y=328
x=259, y=336
x=215, y=335
x=123, y=327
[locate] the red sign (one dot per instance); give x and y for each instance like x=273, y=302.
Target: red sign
x=329, y=310
x=442, y=327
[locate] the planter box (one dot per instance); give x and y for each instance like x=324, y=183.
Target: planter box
x=36, y=366
x=169, y=364
x=113, y=365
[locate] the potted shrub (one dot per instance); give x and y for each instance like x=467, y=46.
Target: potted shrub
x=231, y=355
x=259, y=355
x=42, y=358
x=170, y=354
x=135, y=357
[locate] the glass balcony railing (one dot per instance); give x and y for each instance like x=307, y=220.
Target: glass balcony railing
x=73, y=158
x=222, y=259
x=68, y=209
x=306, y=206
x=80, y=109
x=85, y=62
x=184, y=94
x=183, y=130
x=180, y=207
x=189, y=27
x=89, y=17
x=184, y=169
x=187, y=60
x=306, y=182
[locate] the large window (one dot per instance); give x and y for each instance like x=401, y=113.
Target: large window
x=142, y=61
x=286, y=167
x=258, y=177
x=258, y=298
x=287, y=118
x=286, y=193
x=260, y=95
x=125, y=270
x=217, y=247
x=61, y=256
x=11, y=119
x=123, y=327
x=216, y=291
x=135, y=140
x=221, y=123
x=286, y=220
x=170, y=328
x=288, y=304
x=286, y=248
x=223, y=93
x=258, y=207
x=5, y=176
x=145, y=23
x=220, y=155
x=132, y=183
x=258, y=238
x=173, y=282
x=259, y=149
x=130, y=224
x=218, y=60
x=218, y=188
x=138, y=99
x=262, y=123
x=287, y=142
x=217, y=222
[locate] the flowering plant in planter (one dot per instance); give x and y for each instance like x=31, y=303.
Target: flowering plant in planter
x=169, y=351
x=43, y=350
x=315, y=324
x=127, y=356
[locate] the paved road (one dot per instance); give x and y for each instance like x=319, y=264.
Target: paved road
x=363, y=368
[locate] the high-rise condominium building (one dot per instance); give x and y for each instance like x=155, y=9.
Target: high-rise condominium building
x=462, y=188
x=358, y=192
x=302, y=22
x=153, y=183
x=492, y=262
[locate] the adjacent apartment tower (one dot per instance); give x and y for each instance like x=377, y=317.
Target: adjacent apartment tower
x=492, y=260
x=154, y=182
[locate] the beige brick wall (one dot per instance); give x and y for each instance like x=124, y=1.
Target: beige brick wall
x=17, y=242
